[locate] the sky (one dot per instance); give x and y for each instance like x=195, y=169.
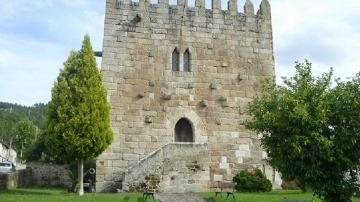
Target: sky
x=37, y=36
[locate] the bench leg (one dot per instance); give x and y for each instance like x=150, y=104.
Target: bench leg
x=146, y=196
x=152, y=195
x=227, y=196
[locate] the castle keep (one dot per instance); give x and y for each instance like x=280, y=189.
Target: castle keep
x=179, y=81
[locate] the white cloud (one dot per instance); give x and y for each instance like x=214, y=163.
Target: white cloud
x=31, y=55
x=325, y=32
x=27, y=69
x=11, y=8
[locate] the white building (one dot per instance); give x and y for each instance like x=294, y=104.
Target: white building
x=7, y=154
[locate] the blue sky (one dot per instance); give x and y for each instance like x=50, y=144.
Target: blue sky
x=36, y=37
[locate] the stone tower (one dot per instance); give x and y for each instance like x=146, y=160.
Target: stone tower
x=179, y=81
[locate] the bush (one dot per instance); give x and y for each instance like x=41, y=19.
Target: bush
x=252, y=181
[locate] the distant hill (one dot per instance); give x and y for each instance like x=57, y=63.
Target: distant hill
x=11, y=113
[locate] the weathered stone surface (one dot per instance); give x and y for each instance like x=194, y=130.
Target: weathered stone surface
x=49, y=174
x=231, y=54
x=37, y=174
x=173, y=168
x=13, y=180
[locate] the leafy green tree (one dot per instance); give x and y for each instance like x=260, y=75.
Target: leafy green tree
x=311, y=131
x=78, y=125
x=24, y=137
x=11, y=113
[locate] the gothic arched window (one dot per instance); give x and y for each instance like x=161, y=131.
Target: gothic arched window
x=175, y=60
x=187, y=61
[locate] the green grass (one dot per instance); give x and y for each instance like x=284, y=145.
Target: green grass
x=58, y=195
x=273, y=196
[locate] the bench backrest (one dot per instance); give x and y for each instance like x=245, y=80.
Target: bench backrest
x=227, y=186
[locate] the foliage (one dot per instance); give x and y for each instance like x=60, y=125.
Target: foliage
x=39, y=152
x=10, y=114
x=25, y=134
x=311, y=131
x=252, y=181
x=78, y=123
x=78, y=115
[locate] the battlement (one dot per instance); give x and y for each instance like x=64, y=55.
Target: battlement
x=129, y=16
x=197, y=9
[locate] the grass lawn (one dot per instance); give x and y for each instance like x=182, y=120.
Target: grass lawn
x=273, y=196
x=58, y=195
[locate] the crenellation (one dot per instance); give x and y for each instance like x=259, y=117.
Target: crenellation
x=152, y=11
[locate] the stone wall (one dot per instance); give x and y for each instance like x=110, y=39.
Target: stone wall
x=48, y=174
x=231, y=54
x=15, y=179
x=37, y=174
x=175, y=168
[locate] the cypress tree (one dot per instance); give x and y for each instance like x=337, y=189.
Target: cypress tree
x=78, y=124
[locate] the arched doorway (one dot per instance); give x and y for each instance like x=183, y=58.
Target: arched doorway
x=184, y=131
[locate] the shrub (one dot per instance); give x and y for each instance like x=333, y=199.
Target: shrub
x=252, y=181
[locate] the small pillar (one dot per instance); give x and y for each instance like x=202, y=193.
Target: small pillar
x=265, y=9
x=200, y=4
x=249, y=8
x=216, y=4
x=164, y=3
x=181, y=3
x=233, y=7
x=144, y=3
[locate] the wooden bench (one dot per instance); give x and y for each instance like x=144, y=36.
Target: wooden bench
x=226, y=187
x=148, y=192
x=296, y=200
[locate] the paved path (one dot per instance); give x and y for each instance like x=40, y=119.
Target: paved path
x=179, y=198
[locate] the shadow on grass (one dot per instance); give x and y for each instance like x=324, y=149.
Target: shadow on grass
x=128, y=198
x=139, y=199
x=211, y=199
x=277, y=193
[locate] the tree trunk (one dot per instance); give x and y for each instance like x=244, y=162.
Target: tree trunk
x=21, y=151
x=81, y=176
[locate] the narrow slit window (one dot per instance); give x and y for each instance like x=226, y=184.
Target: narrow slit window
x=175, y=60
x=187, y=61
